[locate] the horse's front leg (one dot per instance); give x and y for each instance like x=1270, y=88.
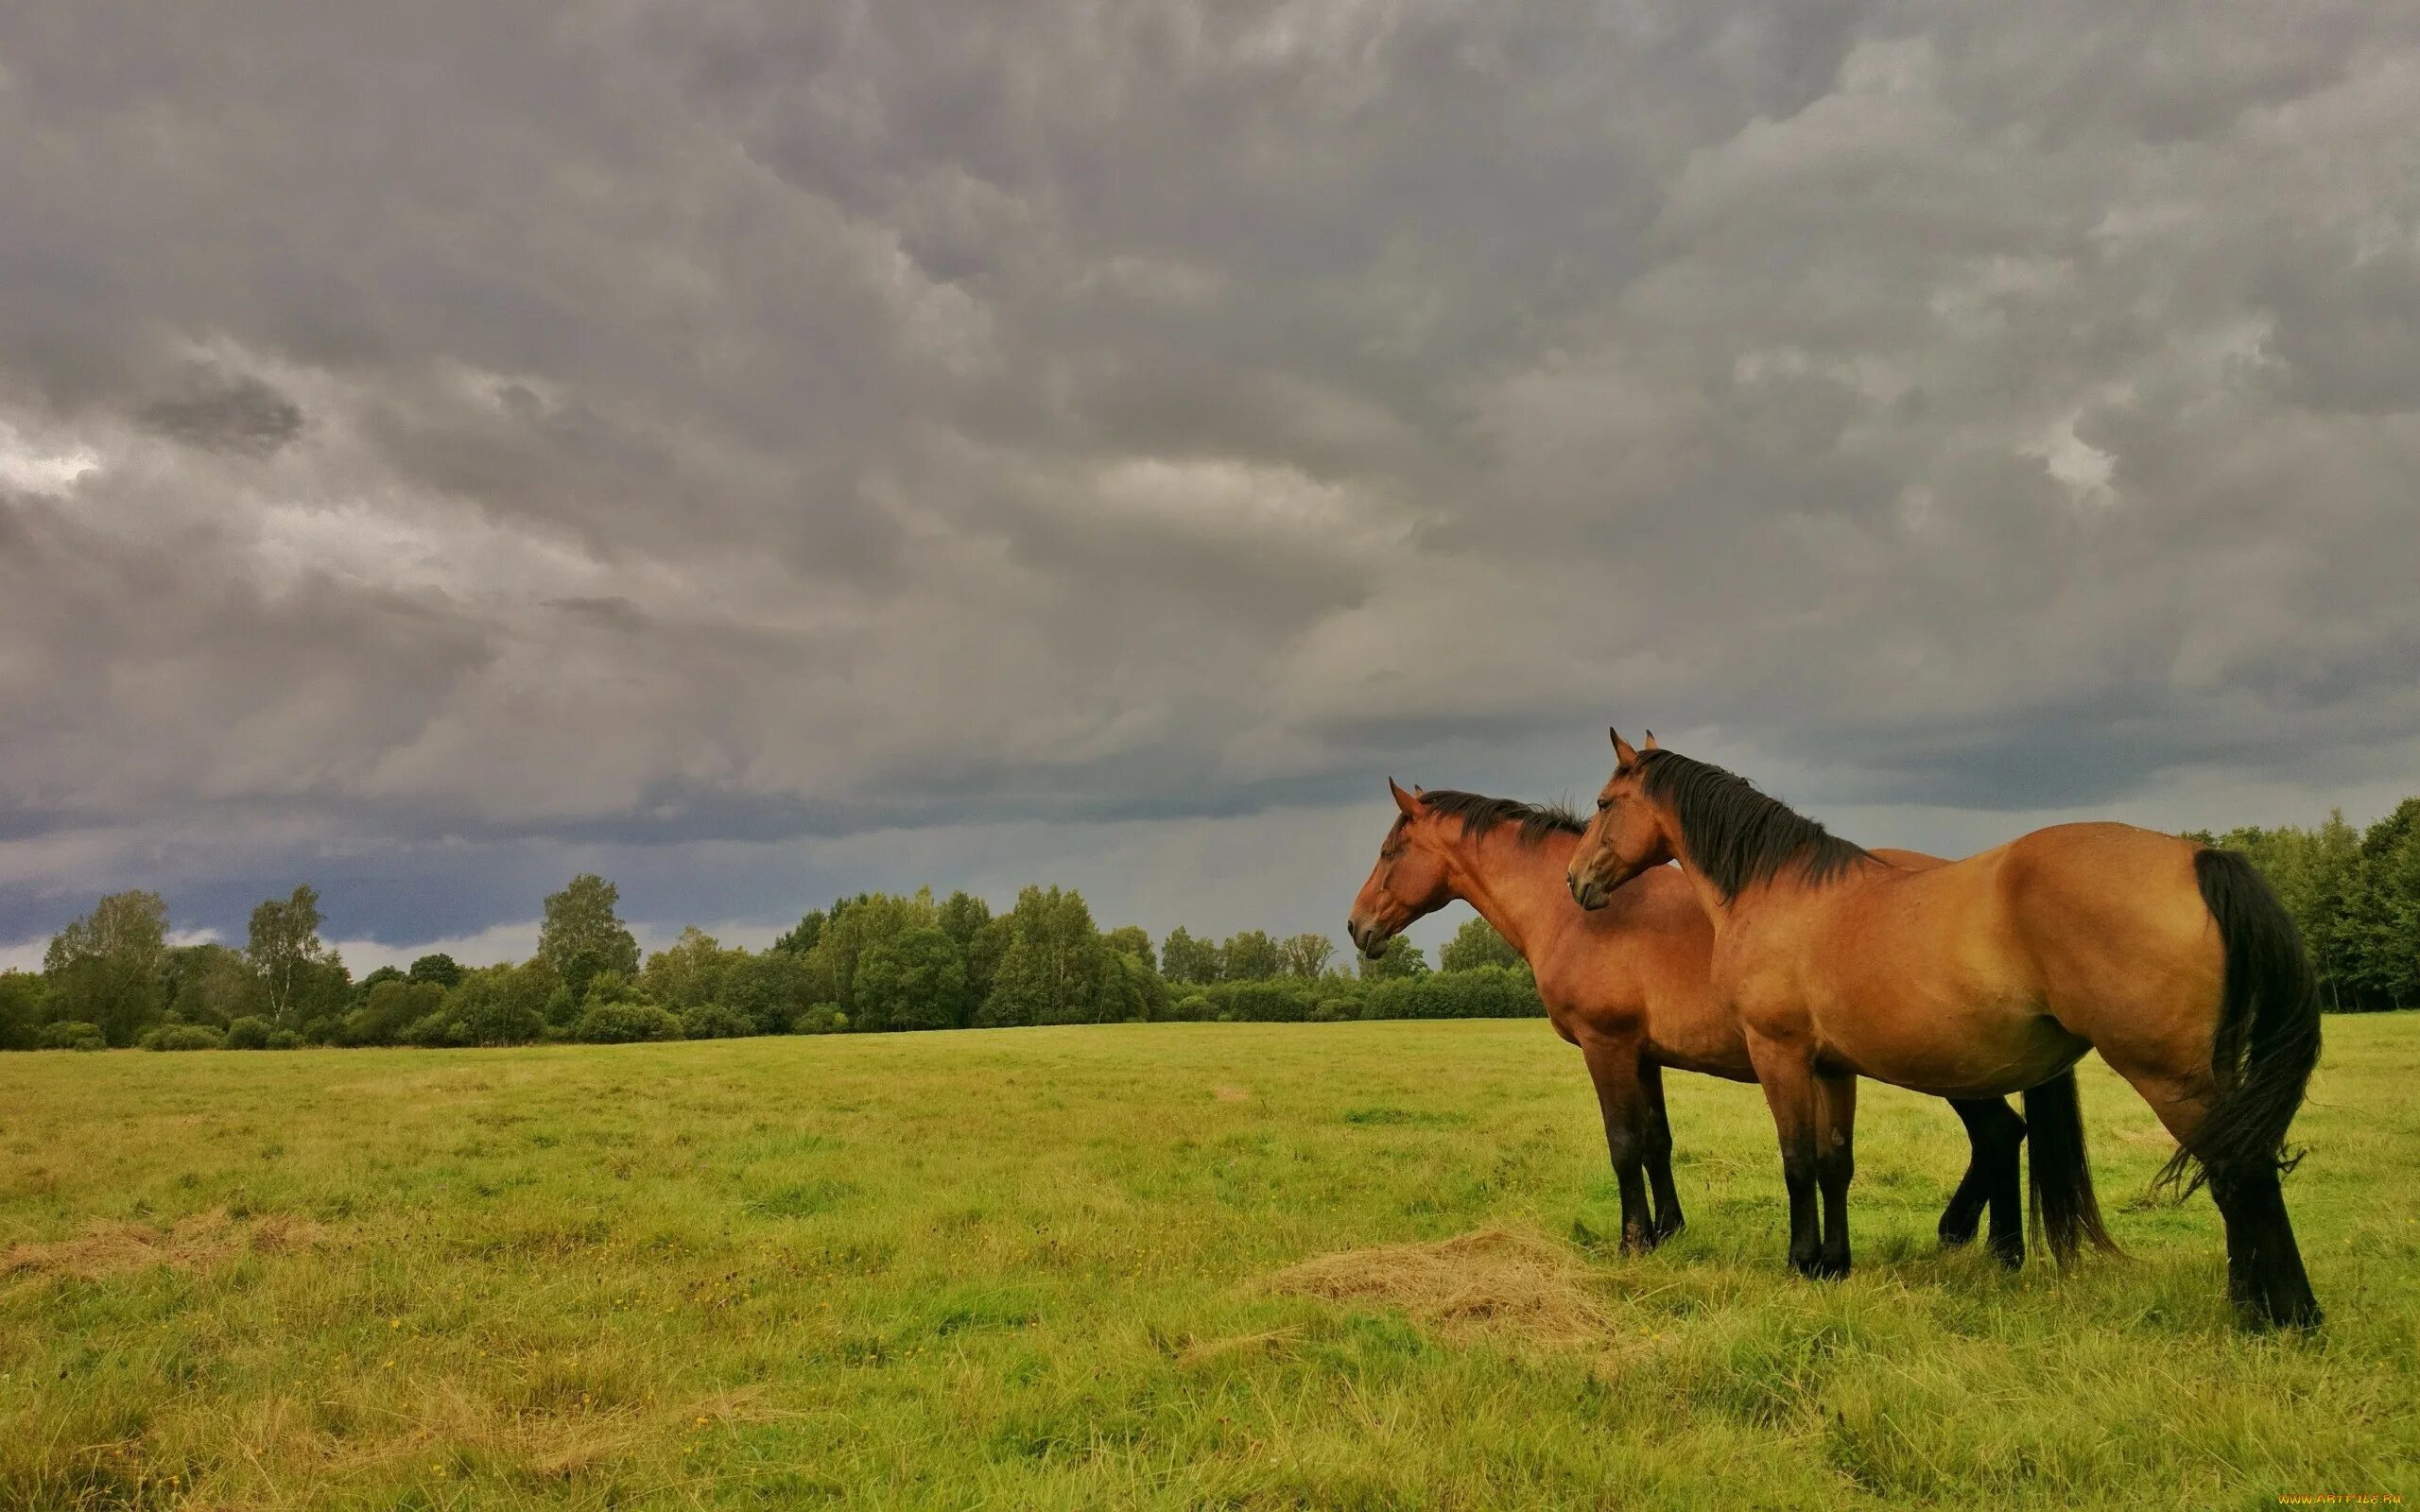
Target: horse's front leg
x=1613, y=1066
x=1834, y=1166
x=1788, y=1083
x=1659, y=1154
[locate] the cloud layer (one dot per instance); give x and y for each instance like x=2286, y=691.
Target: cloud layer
x=769, y=450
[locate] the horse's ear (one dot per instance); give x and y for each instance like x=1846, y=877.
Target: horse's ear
x=1651, y=743
x=1404, y=800
x=1624, y=752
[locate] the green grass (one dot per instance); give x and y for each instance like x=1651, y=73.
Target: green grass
x=1030, y=1268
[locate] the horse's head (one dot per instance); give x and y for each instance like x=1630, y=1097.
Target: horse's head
x=1409, y=881
x=1624, y=838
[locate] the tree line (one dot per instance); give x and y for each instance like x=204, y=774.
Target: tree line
x=2355, y=896
x=879, y=962
x=869, y=963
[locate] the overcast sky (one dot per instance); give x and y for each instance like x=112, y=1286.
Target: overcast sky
x=762, y=450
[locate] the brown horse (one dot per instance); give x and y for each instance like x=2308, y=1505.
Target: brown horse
x=1986, y=976
x=1627, y=985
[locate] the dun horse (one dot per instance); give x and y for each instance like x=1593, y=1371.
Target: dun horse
x=1629, y=986
x=1986, y=976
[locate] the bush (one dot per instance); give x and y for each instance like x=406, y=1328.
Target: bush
x=184, y=1036
x=1487, y=992
x=388, y=1009
x=771, y=992
x=622, y=1023
x=283, y=1039
x=248, y=1033
x=1194, y=1008
x=819, y=1017
x=712, y=1021
x=72, y=1034
x=436, y=1031
x=500, y=1006
x=1276, y=1000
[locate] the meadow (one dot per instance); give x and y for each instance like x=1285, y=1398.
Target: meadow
x=1317, y=1265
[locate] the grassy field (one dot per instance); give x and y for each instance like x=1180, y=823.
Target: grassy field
x=1163, y=1265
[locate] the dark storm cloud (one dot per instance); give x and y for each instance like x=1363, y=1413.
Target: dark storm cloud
x=532, y=429
x=224, y=412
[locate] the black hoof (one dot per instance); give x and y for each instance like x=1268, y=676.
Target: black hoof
x=1958, y=1228
x=2286, y=1315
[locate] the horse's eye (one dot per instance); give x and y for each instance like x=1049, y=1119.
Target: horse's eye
x=1604, y=803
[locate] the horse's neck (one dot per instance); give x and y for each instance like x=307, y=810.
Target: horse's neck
x=1719, y=912
x=1521, y=889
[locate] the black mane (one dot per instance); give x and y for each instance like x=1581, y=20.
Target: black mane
x=1737, y=835
x=1480, y=815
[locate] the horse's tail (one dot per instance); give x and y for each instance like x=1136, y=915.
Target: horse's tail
x=2268, y=1031
x=2066, y=1216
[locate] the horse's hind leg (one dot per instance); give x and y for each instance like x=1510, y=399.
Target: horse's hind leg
x=1667, y=1219
x=2265, y=1276
x=1788, y=1085
x=1835, y=1165
x=1996, y=1133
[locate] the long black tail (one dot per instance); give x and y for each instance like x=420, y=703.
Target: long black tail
x=2268, y=1032
x=2066, y=1217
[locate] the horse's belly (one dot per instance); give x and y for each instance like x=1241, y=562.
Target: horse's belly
x=1728, y=1061
x=1972, y=1049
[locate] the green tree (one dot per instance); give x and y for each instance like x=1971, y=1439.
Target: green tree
x=582, y=935
x=914, y=980
x=1129, y=991
x=211, y=983
x=1188, y=961
x=855, y=925
x=687, y=973
x=1305, y=955
x=2383, y=909
x=439, y=968
x=770, y=990
x=1132, y=939
x=23, y=999
x=1402, y=959
x=502, y=1004
x=1476, y=944
x=802, y=938
x=283, y=950
x=389, y=1008
x=1249, y=956
x=322, y=992
x=963, y=917
x=105, y=968
x=1050, y=971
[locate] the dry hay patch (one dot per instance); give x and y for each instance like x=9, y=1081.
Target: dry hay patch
x=1488, y=1282
x=1229, y=1094
x=448, y=1418
x=195, y=1241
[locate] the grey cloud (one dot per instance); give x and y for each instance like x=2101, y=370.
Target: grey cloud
x=224, y=412
x=669, y=427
